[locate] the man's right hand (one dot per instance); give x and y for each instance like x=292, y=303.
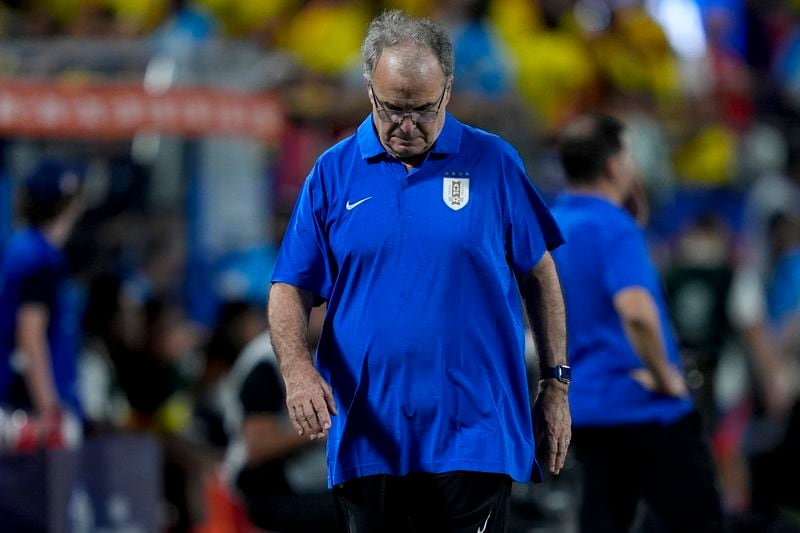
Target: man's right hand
x=309, y=400
x=670, y=383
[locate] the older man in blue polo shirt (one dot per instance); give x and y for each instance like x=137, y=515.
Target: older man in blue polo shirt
x=421, y=233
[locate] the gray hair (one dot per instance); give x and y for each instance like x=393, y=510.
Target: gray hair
x=394, y=27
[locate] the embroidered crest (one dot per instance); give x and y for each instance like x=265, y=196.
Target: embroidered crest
x=455, y=190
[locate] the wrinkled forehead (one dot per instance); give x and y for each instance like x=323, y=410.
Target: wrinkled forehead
x=408, y=74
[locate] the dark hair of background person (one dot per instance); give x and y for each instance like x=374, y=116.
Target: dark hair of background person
x=587, y=144
x=43, y=197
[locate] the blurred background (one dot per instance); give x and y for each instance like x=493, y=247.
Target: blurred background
x=195, y=122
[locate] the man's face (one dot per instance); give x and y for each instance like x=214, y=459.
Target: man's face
x=625, y=168
x=401, y=88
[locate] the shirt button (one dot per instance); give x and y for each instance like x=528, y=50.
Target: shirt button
x=405, y=182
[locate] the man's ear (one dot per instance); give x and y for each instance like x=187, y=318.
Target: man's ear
x=449, y=91
x=612, y=167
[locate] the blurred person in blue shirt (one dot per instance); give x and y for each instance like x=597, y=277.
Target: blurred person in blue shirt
x=421, y=233
x=482, y=65
x=783, y=290
x=39, y=337
x=636, y=433
x=772, y=441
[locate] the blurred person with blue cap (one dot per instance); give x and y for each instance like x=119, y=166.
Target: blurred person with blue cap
x=38, y=341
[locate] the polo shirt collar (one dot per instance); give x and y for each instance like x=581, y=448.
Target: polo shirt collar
x=449, y=140
x=368, y=141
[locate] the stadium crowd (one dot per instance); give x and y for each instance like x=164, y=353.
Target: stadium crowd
x=710, y=93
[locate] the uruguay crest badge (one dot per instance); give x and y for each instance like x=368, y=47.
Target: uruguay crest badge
x=455, y=191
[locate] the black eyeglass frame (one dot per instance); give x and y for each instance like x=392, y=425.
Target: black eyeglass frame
x=417, y=117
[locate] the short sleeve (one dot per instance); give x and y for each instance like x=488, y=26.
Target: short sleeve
x=628, y=261
x=783, y=294
x=305, y=259
x=531, y=229
x=262, y=391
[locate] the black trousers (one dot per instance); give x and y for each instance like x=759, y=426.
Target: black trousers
x=668, y=466
x=774, y=473
x=452, y=502
x=293, y=513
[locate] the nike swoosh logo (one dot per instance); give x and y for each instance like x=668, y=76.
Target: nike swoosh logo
x=350, y=206
x=482, y=529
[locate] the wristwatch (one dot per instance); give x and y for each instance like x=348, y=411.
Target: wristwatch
x=562, y=373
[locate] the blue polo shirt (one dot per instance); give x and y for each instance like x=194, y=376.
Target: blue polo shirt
x=34, y=271
x=783, y=290
x=423, y=341
x=607, y=253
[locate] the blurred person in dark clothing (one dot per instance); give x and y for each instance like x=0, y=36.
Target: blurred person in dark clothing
x=238, y=322
x=152, y=347
x=698, y=283
x=155, y=371
x=150, y=362
x=637, y=435
x=104, y=402
x=279, y=474
x=39, y=318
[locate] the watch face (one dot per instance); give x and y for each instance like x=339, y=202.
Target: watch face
x=562, y=373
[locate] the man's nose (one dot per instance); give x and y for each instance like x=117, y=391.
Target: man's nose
x=407, y=124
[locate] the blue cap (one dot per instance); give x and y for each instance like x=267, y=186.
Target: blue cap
x=52, y=180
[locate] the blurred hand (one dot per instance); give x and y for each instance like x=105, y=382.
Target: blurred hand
x=552, y=423
x=309, y=400
x=50, y=428
x=671, y=383
x=780, y=391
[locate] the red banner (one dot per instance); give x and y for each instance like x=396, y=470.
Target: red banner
x=42, y=109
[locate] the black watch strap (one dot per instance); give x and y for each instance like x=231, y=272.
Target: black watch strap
x=562, y=373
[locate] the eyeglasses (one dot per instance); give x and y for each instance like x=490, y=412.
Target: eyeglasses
x=397, y=117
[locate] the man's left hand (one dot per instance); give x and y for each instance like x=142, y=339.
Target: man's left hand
x=552, y=423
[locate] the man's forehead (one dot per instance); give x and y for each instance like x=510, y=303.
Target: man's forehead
x=408, y=73
x=412, y=93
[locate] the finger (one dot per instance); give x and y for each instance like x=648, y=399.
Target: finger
x=321, y=410
x=329, y=400
x=681, y=390
x=645, y=378
x=561, y=457
x=293, y=418
x=552, y=454
x=302, y=419
x=313, y=420
x=308, y=418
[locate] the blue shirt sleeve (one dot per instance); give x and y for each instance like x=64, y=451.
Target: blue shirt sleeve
x=531, y=229
x=627, y=262
x=305, y=259
x=783, y=293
